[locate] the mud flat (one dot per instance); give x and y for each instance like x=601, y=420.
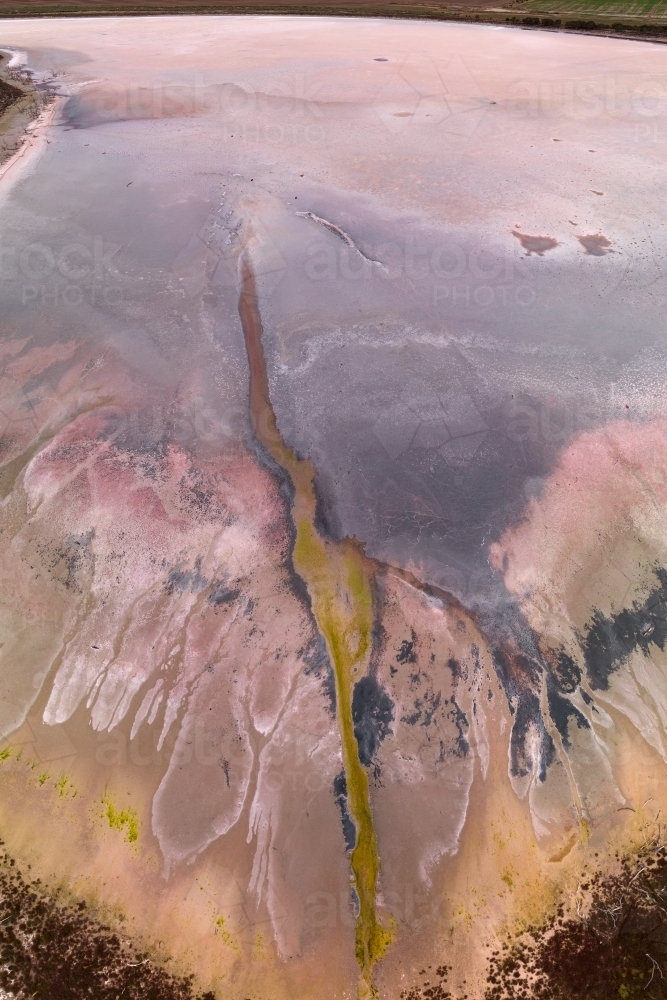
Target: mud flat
x=333, y=465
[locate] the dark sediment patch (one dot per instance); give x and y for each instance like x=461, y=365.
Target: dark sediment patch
x=616, y=948
x=317, y=661
x=565, y=672
x=561, y=711
x=516, y=671
x=431, y=707
x=520, y=676
x=221, y=594
x=186, y=579
x=54, y=949
x=595, y=244
x=340, y=796
x=458, y=670
x=520, y=669
x=528, y=718
x=326, y=520
x=425, y=706
x=372, y=714
x=406, y=652
x=535, y=244
x=461, y=746
x=609, y=641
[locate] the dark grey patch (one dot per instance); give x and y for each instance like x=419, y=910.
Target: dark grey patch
x=415, y=680
x=425, y=709
x=326, y=521
x=79, y=557
x=316, y=658
x=340, y=797
x=299, y=588
x=224, y=764
x=200, y=495
x=561, y=711
x=372, y=714
x=527, y=714
x=406, y=653
x=221, y=595
x=516, y=672
x=460, y=720
x=70, y=563
x=458, y=746
x=610, y=641
x=587, y=698
x=186, y=579
x=459, y=671
x=566, y=672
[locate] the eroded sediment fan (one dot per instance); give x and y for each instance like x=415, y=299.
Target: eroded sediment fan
x=333, y=610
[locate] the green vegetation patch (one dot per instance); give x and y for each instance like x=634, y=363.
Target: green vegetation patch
x=599, y=8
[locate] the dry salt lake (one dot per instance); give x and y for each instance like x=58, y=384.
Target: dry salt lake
x=334, y=507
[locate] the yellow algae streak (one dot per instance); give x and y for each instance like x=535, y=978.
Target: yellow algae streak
x=339, y=581
x=339, y=585
x=65, y=787
x=121, y=819
x=227, y=938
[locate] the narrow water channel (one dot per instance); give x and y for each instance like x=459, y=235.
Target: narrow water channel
x=339, y=579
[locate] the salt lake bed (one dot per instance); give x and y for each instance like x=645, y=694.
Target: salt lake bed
x=334, y=496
